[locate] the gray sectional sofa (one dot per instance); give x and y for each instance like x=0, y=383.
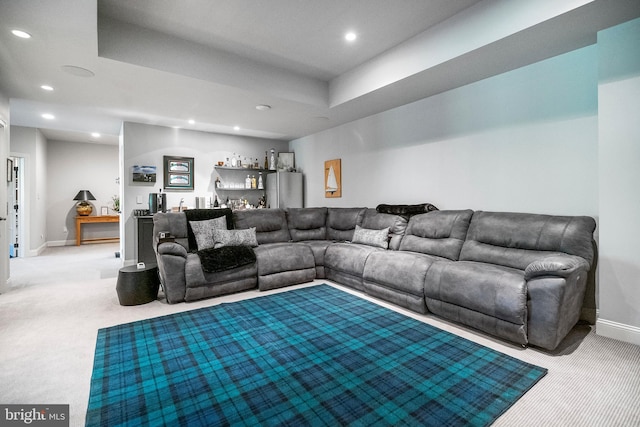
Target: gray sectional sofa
x=517, y=276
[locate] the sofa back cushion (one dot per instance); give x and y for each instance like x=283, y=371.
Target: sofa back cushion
x=270, y=224
x=397, y=224
x=439, y=233
x=516, y=239
x=341, y=222
x=307, y=223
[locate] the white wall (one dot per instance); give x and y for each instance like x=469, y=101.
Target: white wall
x=147, y=145
x=74, y=166
x=522, y=141
x=31, y=144
x=619, y=155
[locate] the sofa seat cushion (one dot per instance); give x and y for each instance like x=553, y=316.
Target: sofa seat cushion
x=284, y=264
x=402, y=271
x=488, y=297
x=318, y=248
x=344, y=263
x=398, y=277
x=200, y=284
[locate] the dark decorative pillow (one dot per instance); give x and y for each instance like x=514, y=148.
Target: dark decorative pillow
x=376, y=238
x=225, y=258
x=406, y=210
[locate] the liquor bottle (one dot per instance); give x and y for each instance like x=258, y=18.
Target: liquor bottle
x=234, y=161
x=266, y=160
x=217, y=182
x=247, y=182
x=239, y=162
x=272, y=160
x=215, y=203
x=254, y=183
x=260, y=184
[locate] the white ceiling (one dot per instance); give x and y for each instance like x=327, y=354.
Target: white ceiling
x=164, y=62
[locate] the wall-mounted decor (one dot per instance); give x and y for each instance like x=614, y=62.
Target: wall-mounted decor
x=178, y=173
x=144, y=173
x=332, y=178
x=286, y=162
x=9, y=170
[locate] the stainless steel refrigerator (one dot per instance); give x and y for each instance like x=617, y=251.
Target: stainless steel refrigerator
x=284, y=190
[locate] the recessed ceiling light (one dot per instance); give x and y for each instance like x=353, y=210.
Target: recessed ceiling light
x=46, y=87
x=21, y=34
x=192, y=122
x=48, y=116
x=77, y=71
x=236, y=128
x=350, y=36
x=95, y=135
x=263, y=107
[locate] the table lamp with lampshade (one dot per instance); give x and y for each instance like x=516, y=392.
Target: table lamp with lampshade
x=83, y=207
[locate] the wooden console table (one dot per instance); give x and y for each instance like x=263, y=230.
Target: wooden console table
x=90, y=220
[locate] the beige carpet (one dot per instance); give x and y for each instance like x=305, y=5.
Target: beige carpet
x=56, y=303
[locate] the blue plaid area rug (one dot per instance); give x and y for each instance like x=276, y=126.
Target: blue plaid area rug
x=314, y=356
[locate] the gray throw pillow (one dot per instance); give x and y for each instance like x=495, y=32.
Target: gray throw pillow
x=243, y=237
x=203, y=231
x=366, y=236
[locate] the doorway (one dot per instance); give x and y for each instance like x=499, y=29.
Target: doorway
x=15, y=201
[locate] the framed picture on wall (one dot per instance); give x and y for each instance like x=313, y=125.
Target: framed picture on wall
x=144, y=174
x=286, y=162
x=333, y=178
x=178, y=173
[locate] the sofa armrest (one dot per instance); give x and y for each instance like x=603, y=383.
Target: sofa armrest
x=172, y=259
x=171, y=248
x=555, y=265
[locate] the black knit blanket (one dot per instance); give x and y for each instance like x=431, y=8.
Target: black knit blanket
x=214, y=260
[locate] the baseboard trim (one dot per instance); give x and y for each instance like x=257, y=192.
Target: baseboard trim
x=52, y=243
x=618, y=331
x=37, y=251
